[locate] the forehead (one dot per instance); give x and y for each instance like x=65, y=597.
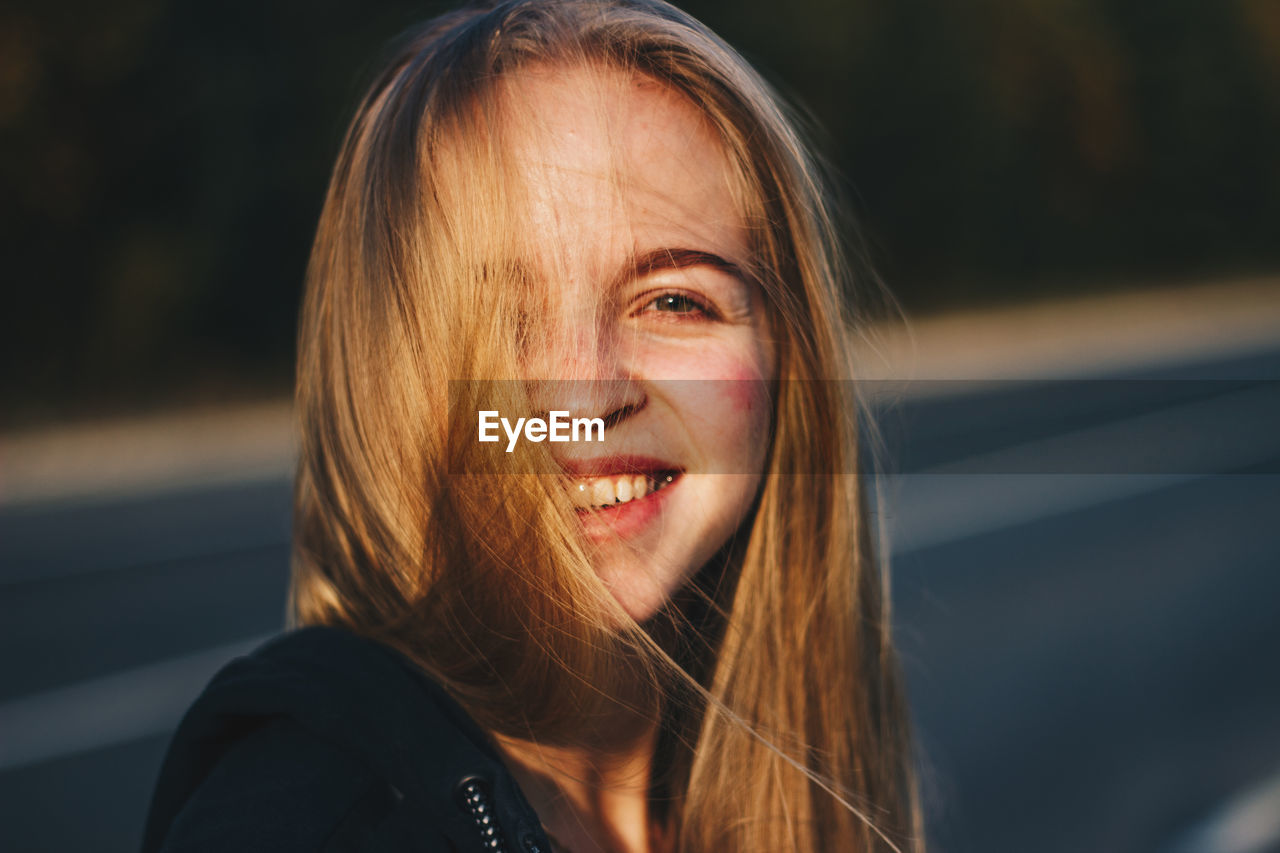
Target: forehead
x=612, y=161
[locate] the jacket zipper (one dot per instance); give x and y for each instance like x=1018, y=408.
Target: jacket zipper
x=476, y=801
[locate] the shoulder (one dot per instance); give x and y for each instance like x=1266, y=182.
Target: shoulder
x=322, y=741
x=283, y=789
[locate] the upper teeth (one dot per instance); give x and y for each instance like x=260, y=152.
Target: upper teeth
x=609, y=491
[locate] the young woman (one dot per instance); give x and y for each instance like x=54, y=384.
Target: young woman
x=672, y=636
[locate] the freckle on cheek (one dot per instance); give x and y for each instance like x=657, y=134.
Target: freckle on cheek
x=743, y=397
x=743, y=392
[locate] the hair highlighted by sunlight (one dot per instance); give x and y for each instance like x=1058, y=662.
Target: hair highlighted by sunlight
x=783, y=723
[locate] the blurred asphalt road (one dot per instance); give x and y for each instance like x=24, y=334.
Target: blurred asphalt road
x=1086, y=589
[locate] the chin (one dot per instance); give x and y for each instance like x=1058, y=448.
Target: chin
x=640, y=595
x=645, y=571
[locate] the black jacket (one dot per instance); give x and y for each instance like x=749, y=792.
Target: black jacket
x=324, y=741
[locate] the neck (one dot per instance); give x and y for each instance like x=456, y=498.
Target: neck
x=589, y=799
x=594, y=796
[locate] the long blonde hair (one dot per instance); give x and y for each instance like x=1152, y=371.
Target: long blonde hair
x=783, y=726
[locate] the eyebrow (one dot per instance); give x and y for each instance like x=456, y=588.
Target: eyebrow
x=658, y=260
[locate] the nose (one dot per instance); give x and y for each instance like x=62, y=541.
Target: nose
x=585, y=372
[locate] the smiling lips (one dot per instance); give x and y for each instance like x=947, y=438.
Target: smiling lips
x=590, y=493
x=611, y=482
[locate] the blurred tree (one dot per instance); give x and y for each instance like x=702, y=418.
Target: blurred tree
x=162, y=164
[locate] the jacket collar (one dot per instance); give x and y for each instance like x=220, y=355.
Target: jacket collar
x=368, y=700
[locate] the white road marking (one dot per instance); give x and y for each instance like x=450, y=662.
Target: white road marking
x=1190, y=441
x=108, y=710
x=1249, y=822
x=927, y=510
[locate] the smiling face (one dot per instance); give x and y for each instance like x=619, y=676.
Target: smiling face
x=638, y=246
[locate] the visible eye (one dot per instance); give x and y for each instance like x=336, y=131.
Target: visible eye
x=679, y=304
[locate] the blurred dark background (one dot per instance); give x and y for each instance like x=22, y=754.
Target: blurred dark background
x=163, y=163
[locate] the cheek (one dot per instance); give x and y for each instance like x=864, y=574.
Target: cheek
x=726, y=421
x=753, y=412
x=747, y=397
x=720, y=393
x=738, y=400
x=736, y=355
